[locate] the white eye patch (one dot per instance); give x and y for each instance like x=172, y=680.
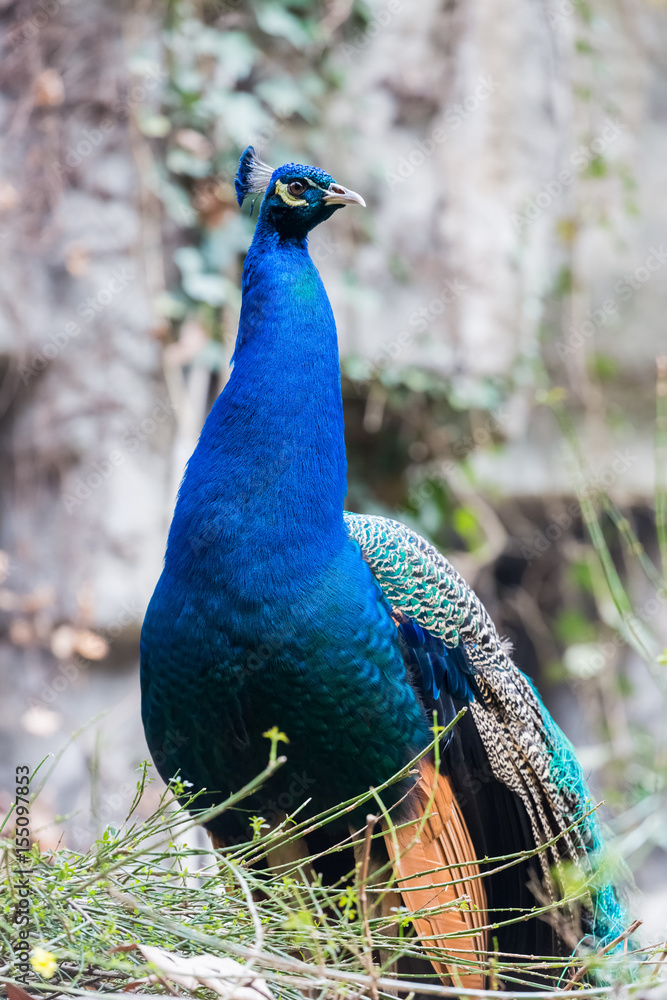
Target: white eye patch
x=283, y=192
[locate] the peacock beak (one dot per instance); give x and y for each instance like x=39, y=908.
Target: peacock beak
x=339, y=195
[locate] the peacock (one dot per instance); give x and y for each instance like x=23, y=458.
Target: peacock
x=351, y=633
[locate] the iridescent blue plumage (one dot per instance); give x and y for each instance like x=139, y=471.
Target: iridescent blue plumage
x=266, y=612
x=442, y=670
x=275, y=608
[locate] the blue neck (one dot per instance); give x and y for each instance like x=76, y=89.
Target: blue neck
x=263, y=494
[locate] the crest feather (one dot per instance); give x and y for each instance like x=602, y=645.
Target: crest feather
x=253, y=175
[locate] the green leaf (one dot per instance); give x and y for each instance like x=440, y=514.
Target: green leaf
x=286, y=97
x=355, y=367
x=597, y=168
x=189, y=260
x=154, y=126
x=563, y=285
x=209, y=288
x=275, y=735
x=572, y=626
x=235, y=54
x=179, y=161
x=604, y=366
x=417, y=380
x=299, y=920
x=224, y=243
x=551, y=397
x=212, y=356
x=188, y=81
x=274, y=19
x=584, y=660
x=175, y=200
x=170, y=306
x=579, y=573
x=465, y=523
x=240, y=116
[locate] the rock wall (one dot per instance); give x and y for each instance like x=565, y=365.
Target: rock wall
x=86, y=418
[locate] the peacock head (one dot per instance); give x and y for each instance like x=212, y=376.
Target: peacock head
x=296, y=197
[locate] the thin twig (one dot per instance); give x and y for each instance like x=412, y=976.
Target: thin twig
x=257, y=924
x=578, y=976
x=190, y=824
x=322, y=975
x=371, y=820
x=661, y=461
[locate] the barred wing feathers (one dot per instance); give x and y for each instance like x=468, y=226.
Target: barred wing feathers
x=526, y=751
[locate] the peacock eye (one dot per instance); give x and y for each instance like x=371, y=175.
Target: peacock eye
x=296, y=187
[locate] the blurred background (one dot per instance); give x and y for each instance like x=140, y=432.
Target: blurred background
x=501, y=310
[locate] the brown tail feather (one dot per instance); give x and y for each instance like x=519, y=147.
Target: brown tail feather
x=425, y=846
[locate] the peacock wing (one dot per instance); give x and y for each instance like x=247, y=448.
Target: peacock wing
x=524, y=749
